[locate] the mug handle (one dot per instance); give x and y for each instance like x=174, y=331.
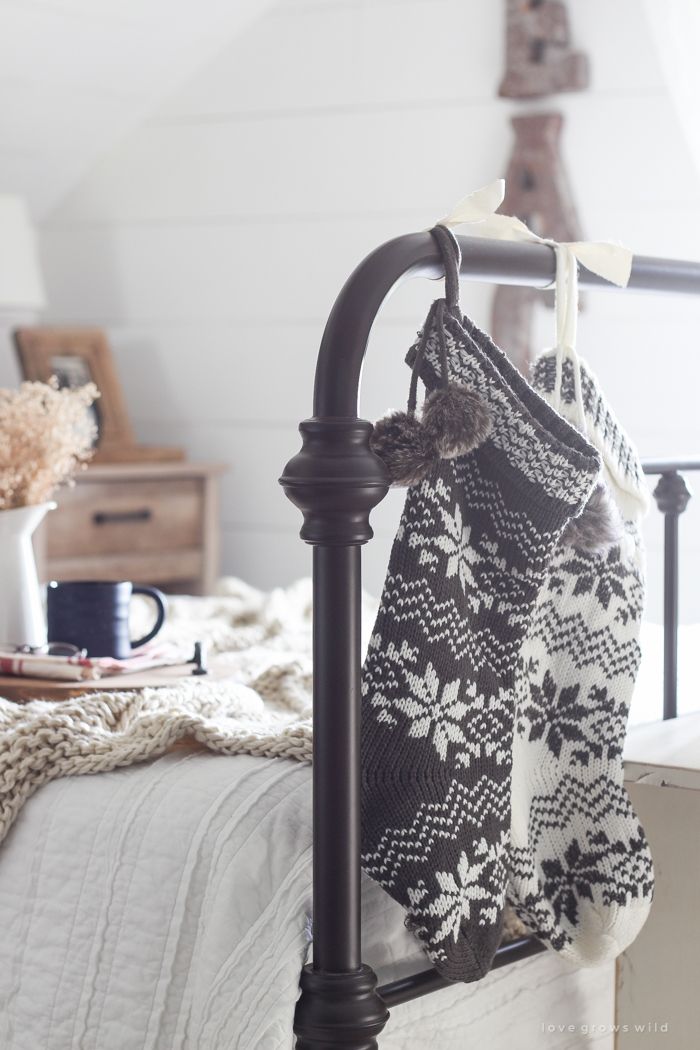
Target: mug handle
x=161, y=601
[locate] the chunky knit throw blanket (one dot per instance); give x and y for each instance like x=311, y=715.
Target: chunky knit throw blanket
x=263, y=709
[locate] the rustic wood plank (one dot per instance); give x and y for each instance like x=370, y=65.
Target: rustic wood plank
x=144, y=567
x=146, y=471
x=211, y=534
x=139, y=454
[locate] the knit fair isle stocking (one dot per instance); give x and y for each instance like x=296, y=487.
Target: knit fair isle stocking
x=468, y=562
x=581, y=871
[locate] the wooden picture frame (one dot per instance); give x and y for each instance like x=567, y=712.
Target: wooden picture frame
x=44, y=352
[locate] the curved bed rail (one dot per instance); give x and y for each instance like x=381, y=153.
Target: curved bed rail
x=336, y=481
x=416, y=255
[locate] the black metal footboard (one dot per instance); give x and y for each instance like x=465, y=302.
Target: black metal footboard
x=335, y=481
x=672, y=495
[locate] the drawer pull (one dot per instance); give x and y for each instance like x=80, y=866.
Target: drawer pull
x=117, y=518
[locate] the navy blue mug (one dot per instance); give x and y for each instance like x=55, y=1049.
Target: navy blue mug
x=94, y=615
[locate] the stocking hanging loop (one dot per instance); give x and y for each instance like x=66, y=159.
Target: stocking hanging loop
x=454, y=419
x=452, y=260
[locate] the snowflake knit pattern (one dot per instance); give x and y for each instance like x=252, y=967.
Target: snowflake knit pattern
x=581, y=871
x=467, y=565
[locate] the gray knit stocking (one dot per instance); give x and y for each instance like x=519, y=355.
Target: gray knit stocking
x=468, y=562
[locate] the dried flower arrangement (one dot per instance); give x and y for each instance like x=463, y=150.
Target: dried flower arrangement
x=45, y=435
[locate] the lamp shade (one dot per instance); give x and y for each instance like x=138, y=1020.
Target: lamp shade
x=21, y=283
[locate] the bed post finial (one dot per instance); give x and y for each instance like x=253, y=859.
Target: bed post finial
x=335, y=481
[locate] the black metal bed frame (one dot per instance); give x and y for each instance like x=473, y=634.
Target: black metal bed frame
x=336, y=481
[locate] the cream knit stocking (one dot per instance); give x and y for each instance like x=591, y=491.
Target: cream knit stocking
x=581, y=871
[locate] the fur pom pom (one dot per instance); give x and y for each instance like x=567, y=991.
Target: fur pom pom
x=598, y=527
x=406, y=448
x=457, y=419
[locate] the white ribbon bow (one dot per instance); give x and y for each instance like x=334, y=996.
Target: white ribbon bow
x=611, y=261
x=608, y=260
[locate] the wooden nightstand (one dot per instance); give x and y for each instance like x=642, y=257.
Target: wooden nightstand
x=145, y=522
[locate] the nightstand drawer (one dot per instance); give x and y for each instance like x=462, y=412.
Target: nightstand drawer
x=160, y=568
x=126, y=517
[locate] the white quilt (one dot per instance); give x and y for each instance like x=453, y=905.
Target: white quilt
x=166, y=906
x=161, y=906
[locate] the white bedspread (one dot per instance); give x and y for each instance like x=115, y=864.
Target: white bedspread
x=165, y=906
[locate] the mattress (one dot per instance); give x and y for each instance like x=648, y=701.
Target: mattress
x=167, y=906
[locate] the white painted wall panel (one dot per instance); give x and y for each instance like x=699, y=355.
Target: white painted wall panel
x=340, y=54
x=300, y=165
x=335, y=54
x=349, y=162
x=179, y=273
x=34, y=43
x=626, y=150
x=33, y=124
x=286, y=558
x=77, y=76
x=619, y=42
x=174, y=361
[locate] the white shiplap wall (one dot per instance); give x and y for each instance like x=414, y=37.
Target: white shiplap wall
x=212, y=243
x=77, y=75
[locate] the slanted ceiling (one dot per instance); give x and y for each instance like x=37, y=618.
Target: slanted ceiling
x=77, y=75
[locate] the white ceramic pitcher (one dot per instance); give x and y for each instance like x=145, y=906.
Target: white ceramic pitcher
x=21, y=615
